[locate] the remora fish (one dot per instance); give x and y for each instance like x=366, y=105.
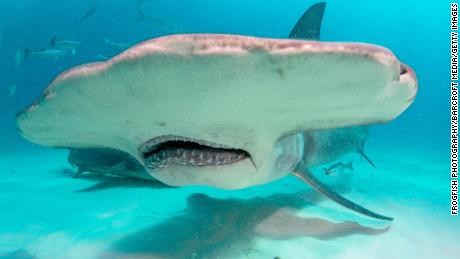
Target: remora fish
x=338, y=167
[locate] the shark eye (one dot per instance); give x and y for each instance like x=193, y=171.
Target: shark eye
x=403, y=69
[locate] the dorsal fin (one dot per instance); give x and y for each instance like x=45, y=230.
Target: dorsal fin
x=308, y=27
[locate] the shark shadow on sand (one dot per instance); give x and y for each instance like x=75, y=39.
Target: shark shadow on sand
x=105, y=182
x=221, y=228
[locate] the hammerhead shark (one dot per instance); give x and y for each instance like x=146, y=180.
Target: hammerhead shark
x=319, y=147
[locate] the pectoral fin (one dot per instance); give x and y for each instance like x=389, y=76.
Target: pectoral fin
x=361, y=152
x=308, y=177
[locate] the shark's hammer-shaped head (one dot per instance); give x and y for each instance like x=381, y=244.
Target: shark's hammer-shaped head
x=220, y=110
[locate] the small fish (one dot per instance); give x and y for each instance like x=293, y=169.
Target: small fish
x=142, y=16
x=19, y=57
x=103, y=57
x=163, y=24
x=11, y=90
x=45, y=53
x=338, y=167
x=88, y=14
x=118, y=46
x=64, y=44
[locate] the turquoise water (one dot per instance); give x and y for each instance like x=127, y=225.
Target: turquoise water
x=45, y=213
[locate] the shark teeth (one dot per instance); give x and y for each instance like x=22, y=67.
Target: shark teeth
x=169, y=150
x=153, y=143
x=193, y=157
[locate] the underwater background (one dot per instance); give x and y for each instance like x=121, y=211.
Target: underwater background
x=44, y=213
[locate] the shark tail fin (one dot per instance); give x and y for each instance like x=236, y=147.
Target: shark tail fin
x=308, y=27
x=26, y=54
x=361, y=152
x=53, y=41
x=21, y=55
x=141, y=16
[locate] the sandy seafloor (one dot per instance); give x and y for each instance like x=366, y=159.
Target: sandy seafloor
x=48, y=214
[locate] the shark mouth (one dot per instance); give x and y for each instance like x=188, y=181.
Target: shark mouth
x=166, y=151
